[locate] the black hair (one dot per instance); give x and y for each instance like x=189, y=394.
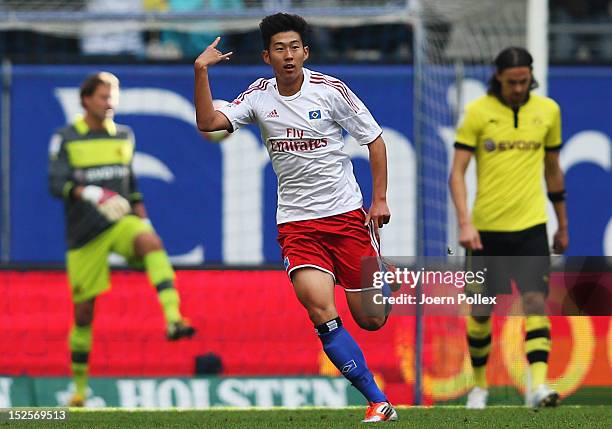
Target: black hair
x=508, y=58
x=281, y=22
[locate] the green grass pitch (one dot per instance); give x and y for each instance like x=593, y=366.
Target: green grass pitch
x=445, y=417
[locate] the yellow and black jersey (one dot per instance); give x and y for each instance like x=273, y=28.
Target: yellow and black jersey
x=509, y=147
x=80, y=156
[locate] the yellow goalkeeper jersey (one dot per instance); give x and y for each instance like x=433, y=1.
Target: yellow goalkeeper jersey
x=509, y=149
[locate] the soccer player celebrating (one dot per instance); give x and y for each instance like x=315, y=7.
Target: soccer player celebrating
x=515, y=136
x=90, y=168
x=322, y=228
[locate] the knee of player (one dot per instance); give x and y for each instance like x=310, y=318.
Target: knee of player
x=534, y=303
x=481, y=319
x=320, y=315
x=83, y=315
x=371, y=323
x=83, y=319
x=147, y=242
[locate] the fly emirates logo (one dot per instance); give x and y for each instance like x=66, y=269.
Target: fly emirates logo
x=296, y=142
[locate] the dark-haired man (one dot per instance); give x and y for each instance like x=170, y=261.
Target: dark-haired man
x=90, y=169
x=323, y=230
x=515, y=136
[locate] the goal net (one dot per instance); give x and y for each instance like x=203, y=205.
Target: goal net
x=455, y=44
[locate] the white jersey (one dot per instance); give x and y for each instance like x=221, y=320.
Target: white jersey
x=303, y=135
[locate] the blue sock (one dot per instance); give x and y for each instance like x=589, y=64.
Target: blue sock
x=346, y=355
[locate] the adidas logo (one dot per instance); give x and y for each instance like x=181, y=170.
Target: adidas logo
x=272, y=114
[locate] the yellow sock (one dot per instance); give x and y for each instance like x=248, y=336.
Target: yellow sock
x=537, y=347
x=170, y=302
x=479, y=342
x=480, y=376
x=158, y=267
x=80, y=376
x=161, y=275
x=79, y=343
x=538, y=372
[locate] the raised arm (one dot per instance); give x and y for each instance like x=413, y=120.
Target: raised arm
x=468, y=234
x=379, y=211
x=207, y=118
x=556, y=193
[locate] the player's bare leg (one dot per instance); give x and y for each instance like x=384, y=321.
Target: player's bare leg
x=368, y=315
x=478, y=327
x=148, y=247
x=80, y=346
x=315, y=291
x=537, y=347
x=534, y=303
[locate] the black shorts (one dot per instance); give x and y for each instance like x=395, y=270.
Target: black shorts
x=522, y=256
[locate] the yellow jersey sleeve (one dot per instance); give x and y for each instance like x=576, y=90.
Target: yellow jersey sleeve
x=469, y=129
x=553, y=138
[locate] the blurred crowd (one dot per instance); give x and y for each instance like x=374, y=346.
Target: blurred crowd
x=580, y=32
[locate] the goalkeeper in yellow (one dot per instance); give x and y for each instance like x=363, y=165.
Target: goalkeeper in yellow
x=515, y=136
x=90, y=168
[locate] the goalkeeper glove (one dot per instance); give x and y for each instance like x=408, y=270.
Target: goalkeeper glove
x=110, y=204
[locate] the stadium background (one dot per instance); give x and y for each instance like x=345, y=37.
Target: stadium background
x=214, y=205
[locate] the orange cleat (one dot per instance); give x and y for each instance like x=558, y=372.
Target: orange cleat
x=380, y=412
